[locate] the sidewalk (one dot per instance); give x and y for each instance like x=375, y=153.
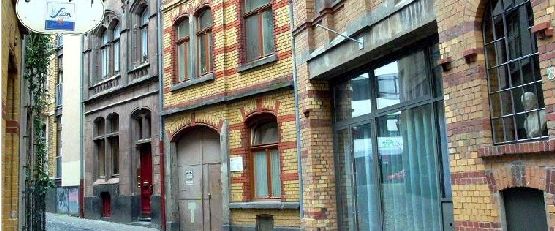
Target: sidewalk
x=58, y=222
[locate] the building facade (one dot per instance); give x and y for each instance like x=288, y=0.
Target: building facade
x=498, y=86
x=121, y=115
x=374, y=140
x=229, y=116
x=12, y=79
x=64, y=145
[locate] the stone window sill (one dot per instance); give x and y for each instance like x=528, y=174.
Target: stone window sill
x=264, y=205
x=105, y=81
x=538, y=146
x=257, y=63
x=138, y=67
x=101, y=181
x=188, y=83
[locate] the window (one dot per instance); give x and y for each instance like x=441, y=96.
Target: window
x=144, y=35
x=99, y=147
x=116, y=32
x=390, y=147
x=141, y=126
x=517, y=106
x=266, y=161
x=59, y=41
x=264, y=223
x=259, y=28
x=104, y=50
x=58, y=147
x=59, y=81
x=113, y=142
x=524, y=209
x=204, y=35
x=182, y=46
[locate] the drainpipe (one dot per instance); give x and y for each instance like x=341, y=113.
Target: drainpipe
x=161, y=106
x=297, y=110
x=81, y=145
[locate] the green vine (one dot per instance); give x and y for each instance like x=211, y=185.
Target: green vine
x=37, y=51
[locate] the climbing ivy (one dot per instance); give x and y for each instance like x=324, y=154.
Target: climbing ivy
x=37, y=52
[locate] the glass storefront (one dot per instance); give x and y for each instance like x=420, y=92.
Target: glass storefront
x=390, y=147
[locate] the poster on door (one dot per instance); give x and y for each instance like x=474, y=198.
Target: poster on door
x=189, y=177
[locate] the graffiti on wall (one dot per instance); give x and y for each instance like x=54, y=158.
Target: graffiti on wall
x=67, y=200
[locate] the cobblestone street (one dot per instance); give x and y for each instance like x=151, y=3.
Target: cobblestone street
x=57, y=222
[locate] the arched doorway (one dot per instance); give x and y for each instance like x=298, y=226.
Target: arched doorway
x=199, y=189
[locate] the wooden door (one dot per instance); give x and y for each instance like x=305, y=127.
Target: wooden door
x=200, y=199
x=145, y=179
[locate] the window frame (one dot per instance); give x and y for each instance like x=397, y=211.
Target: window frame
x=143, y=19
x=104, y=54
x=434, y=99
x=115, y=41
x=186, y=42
x=536, y=84
x=267, y=148
x=257, y=12
x=204, y=35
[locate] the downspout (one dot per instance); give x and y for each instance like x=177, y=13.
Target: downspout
x=161, y=119
x=297, y=110
x=81, y=145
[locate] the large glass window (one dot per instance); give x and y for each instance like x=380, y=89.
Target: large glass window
x=390, y=149
x=105, y=57
x=259, y=26
x=515, y=84
x=116, y=32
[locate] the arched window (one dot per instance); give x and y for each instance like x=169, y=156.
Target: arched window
x=204, y=34
x=144, y=34
x=116, y=32
x=266, y=159
x=105, y=57
x=182, y=47
x=515, y=87
x=141, y=126
x=259, y=28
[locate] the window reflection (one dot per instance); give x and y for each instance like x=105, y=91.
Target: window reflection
x=354, y=98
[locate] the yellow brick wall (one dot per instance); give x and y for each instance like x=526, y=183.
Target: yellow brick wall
x=280, y=103
x=11, y=43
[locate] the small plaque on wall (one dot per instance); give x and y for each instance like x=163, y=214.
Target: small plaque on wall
x=236, y=164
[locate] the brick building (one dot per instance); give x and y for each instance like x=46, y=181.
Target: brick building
x=12, y=80
x=499, y=104
x=229, y=116
x=372, y=113
x=121, y=120
x=439, y=114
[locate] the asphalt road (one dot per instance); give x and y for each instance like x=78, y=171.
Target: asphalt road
x=58, y=222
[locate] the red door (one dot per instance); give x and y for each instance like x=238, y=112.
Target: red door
x=146, y=180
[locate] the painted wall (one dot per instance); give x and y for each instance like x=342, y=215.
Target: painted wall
x=71, y=114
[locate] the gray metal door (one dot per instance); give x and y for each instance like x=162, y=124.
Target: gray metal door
x=199, y=196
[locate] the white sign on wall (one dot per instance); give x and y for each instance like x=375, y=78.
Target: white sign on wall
x=236, y=164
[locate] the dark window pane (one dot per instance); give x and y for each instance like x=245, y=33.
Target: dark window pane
x=114, y=151
x=409, y=170
x=499, y=27
x=498, y=131
x=253, y=38
x=253, y=4
x=265, y=134
x=183, y=29
x=352, y=98
x=365, y=179
x=205, y=19
x=268, y=31
x=509, y=125
x=344, y=168
x=506, y=102
x=495, y=104
x=261, y=175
